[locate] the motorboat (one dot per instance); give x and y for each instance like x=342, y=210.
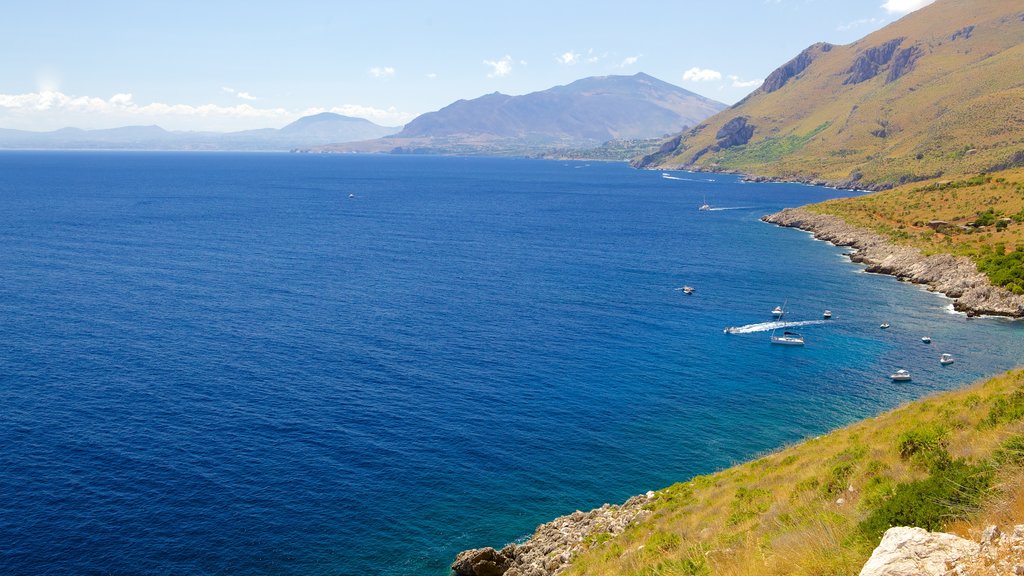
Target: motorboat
x=826, y=314
x=777, y=312
x=901, y=375
x=884, y=325
x=788, y=339
x=687, y=290
x=946, y=359
x=926, y=339
x=705, y=206
x=351, y=196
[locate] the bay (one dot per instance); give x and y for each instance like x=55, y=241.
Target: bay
x=305, y=364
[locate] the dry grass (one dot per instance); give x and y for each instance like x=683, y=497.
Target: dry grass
x=793, y=512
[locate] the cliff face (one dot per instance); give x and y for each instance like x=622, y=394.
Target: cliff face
x=954, y=276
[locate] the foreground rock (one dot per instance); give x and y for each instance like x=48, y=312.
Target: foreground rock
x=554, y=544
x=954, y=276
x=917, y=552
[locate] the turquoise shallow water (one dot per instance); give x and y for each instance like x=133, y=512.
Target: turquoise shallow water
x=222, y=364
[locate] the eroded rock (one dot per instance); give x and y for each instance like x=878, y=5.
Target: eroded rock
x=917, y=552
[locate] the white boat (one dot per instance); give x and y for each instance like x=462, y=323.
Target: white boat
x=826, y=314
x=351, y=195
x=884, y=325
x=788, y=339
x=901, y=375
x=687, y=290
x=777, y=312
x=946, y=359
x=926, y=339
x=705, y=206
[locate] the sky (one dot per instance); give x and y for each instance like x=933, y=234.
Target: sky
x=232, y=65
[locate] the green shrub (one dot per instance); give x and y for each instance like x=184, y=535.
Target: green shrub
x=952, y=492
x=924, y=445
x=1011, y=452
x=748, y=503
x=1005, y=409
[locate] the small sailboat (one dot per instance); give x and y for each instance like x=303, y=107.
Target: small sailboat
x=926, y=339
x=946, y=359
x=901, y=375
x=788, y=338
x=884, y=325
x=826, y=314
x=778, y=312
x=705, y=206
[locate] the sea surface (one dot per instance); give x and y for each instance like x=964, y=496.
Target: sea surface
x=345, y=365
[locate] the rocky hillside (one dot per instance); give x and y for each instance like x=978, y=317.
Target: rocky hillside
x=583, y=114
x=938, y=92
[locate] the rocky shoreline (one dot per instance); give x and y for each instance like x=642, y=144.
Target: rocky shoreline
x=954, y=276
x=553, y=545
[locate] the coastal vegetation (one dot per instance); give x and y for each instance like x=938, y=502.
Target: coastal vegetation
x=953, y=461
x=979, y=216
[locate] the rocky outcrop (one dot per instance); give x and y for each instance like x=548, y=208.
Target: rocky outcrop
x=903, y=63
x=554, y=544
x=871, y=61
x=918, y=552
x=781, y=75
x=954, y=276
x=735, y=132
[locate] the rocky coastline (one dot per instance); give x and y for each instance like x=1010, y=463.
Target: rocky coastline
x=553, y=545
x=954, y=276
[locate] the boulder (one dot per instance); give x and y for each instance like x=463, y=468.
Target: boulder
x=917, y=552
x=481, y=562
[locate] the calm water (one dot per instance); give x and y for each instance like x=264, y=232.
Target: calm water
x=221, y=364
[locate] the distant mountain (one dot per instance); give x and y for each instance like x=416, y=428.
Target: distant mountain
x=585, y=113
x=307, y=131
x=940, y=91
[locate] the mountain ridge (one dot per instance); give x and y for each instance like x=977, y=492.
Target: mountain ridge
x=936, y=92
x=310, y=130
x=582, y=114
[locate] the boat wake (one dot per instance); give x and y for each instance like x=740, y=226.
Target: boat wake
x=667, y=176
x=731, y=208
x=768, y=326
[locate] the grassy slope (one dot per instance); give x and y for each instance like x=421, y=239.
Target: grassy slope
x=962, y=95
x=779, y=514
x=903, y=215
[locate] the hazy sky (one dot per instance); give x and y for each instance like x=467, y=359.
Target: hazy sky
x=227, y=65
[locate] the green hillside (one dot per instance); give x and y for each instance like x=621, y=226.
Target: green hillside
x=938, y=93
x=953, y=461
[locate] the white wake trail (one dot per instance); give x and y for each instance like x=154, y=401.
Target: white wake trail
x=767, y=326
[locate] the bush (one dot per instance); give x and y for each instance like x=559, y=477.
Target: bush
x=1011, y=452
x=950, y=493
x=924, y=445
x=1005, y=409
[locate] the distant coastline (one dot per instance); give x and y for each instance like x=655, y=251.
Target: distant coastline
x=954, y=276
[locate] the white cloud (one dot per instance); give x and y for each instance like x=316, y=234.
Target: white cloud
x=382, y=71
x=569, y=58
x=904, y=6
x=242, y=95
x=47, y=110
x=499, y=68
x=629, y=61
x=696, y=74
x=737, y=83
x=432, y=75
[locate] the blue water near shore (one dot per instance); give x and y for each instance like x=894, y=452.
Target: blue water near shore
x=222, y=364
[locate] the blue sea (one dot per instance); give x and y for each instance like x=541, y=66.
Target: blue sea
x=280, y=364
